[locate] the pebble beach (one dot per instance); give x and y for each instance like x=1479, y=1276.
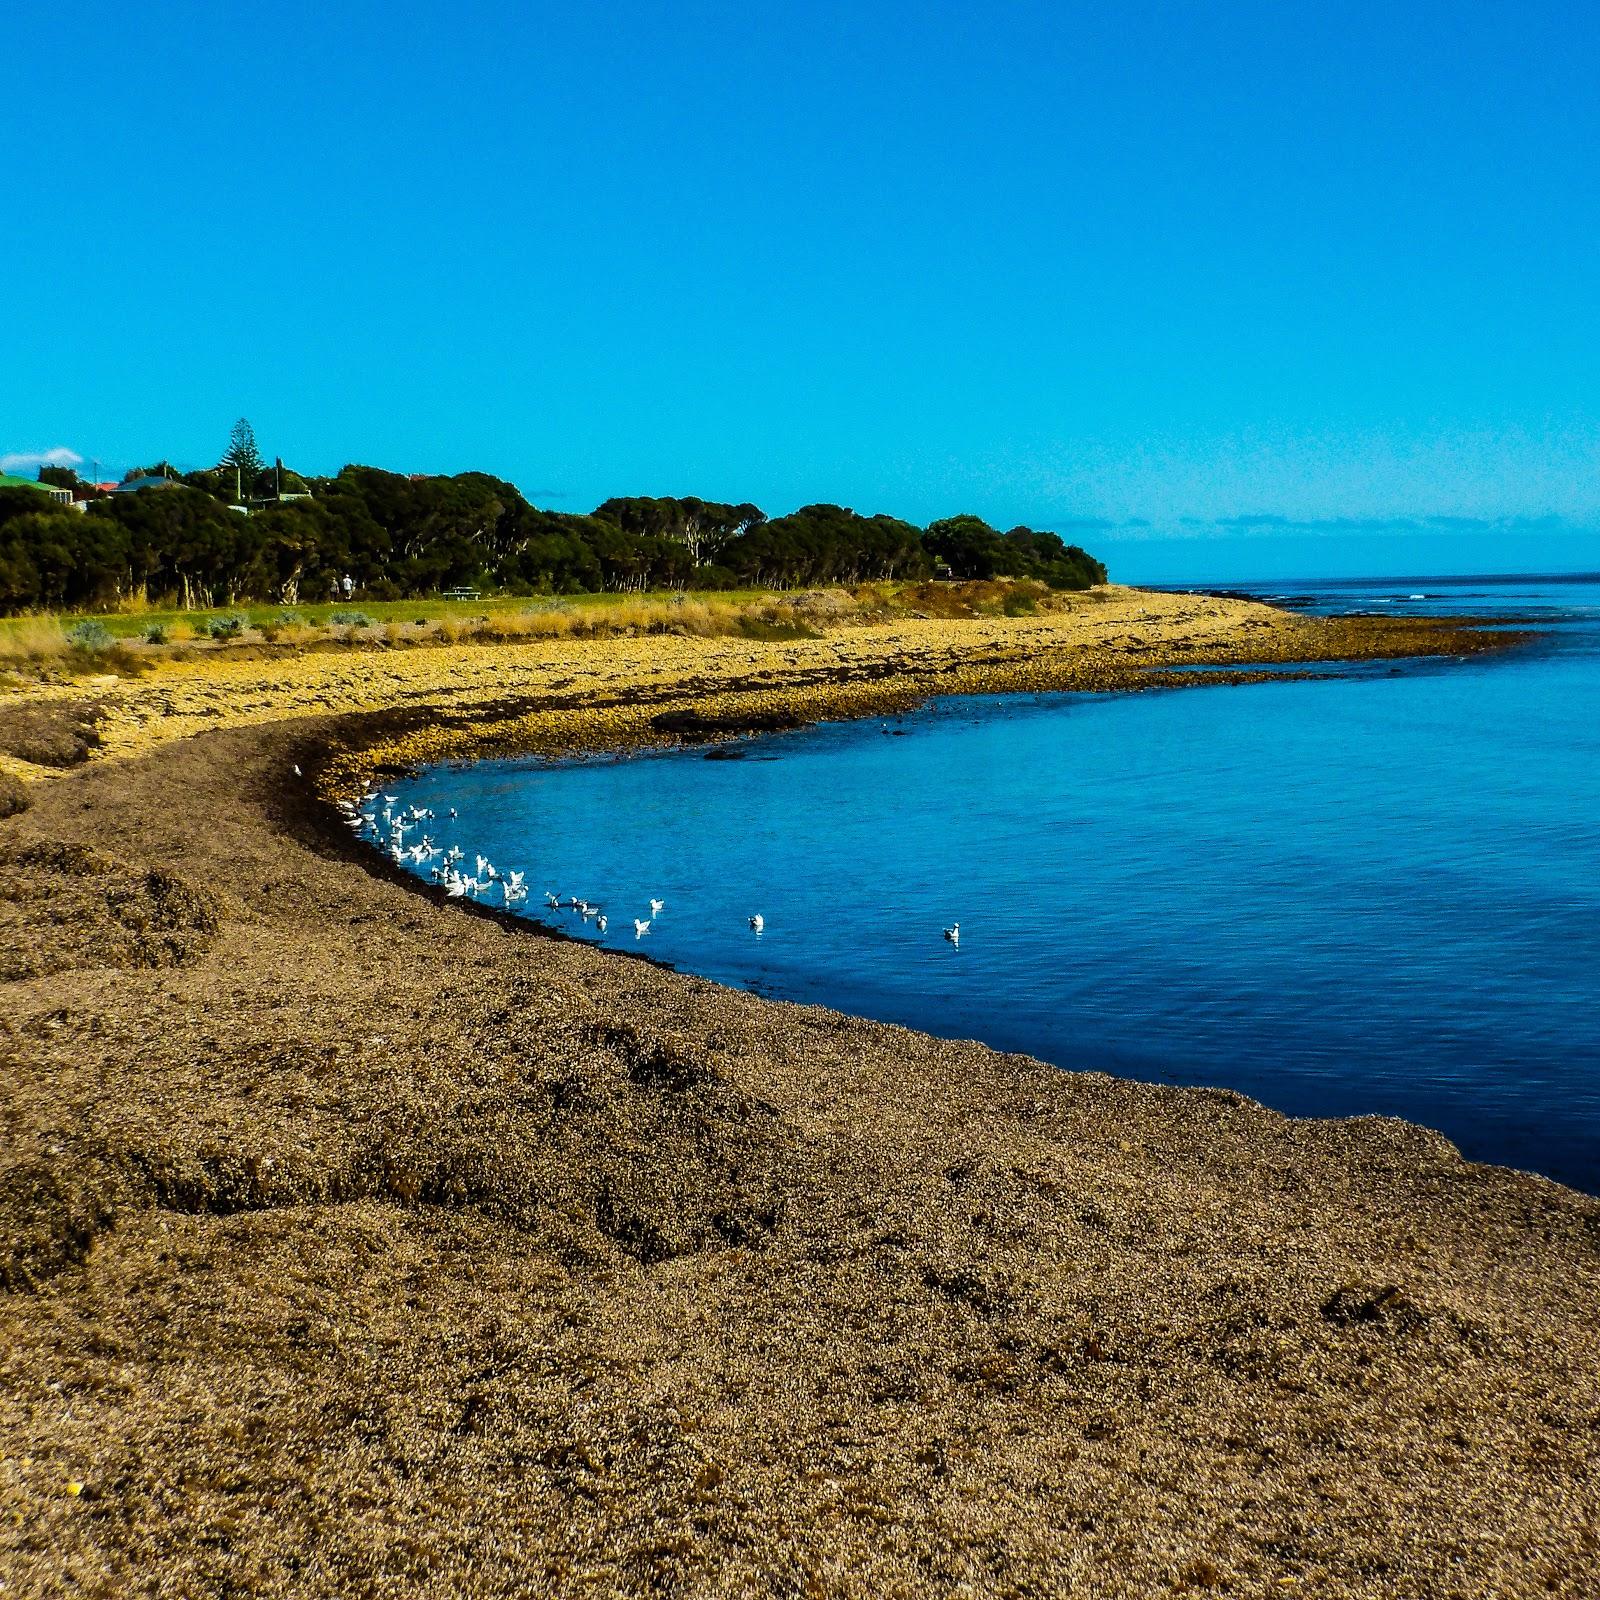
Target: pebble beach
x=352, y=1242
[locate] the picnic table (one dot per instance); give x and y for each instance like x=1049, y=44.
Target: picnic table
x=463, y=592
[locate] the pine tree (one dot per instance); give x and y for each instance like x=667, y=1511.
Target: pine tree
x=243, y=456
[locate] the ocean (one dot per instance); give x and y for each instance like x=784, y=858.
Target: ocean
x=1374, y=893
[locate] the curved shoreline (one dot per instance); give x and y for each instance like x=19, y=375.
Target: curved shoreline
x=353, y=1245
x=726, y=704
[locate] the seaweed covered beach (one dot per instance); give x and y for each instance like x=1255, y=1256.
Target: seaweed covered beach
x=353, y=1242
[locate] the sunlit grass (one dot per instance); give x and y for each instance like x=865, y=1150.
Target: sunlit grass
x=129, y=639
x=132, y=617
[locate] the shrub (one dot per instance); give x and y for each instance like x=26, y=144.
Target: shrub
x=154, y=633
x=90, y=635
x=222, y=628
x=350, y=619
x=1023, y=600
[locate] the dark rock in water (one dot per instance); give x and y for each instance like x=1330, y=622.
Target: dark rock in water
x=724, y=754
x=697, y=725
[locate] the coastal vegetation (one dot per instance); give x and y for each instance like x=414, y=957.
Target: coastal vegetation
x=127, y=642
x=244, y=532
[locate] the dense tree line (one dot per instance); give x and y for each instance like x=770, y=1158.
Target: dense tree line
x=186, y=538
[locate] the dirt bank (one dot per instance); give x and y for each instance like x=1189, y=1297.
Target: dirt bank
x=356, y=1245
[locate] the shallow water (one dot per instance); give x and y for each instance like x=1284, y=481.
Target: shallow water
x=1375, y=893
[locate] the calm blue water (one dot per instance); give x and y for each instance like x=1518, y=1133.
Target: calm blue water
x=1377, y=893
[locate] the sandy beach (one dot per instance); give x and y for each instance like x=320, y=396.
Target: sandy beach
x=353, y=1243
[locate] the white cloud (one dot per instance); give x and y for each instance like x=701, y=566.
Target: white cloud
x=32, y=460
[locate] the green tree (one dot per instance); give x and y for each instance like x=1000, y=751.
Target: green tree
x=243, y=456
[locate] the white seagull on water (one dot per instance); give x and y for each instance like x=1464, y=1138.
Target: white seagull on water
x=953, y=933
x=758, y=922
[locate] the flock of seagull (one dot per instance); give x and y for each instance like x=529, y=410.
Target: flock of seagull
x=381, y=818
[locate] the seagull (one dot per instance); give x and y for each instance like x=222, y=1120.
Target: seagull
x=600, y=922
x=390, y=799
x=640, y=928
x=953, y=933
x=297, y=772
x=552, y=900
x=758, y=922
x=657, y=907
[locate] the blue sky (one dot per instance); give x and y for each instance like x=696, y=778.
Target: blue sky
x=1066, y=264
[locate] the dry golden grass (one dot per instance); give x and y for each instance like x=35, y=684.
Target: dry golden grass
x=33, y=639
x=133, y=604
x=681, y=616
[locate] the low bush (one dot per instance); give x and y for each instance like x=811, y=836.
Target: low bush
x=90, y=635
x=1023, y=599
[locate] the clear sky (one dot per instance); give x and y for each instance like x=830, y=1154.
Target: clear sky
x=1063, y=263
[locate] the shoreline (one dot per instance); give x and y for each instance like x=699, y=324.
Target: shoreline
x=891, y=674
x=351, y=1244
x=573, y=696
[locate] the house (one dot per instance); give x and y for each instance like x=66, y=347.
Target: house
x=60, y=496
x=149, y=481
